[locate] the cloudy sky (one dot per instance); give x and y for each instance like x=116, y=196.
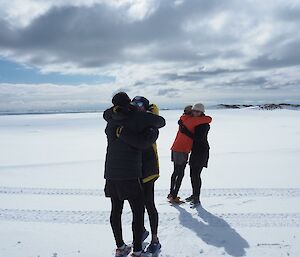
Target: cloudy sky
x=76, y=54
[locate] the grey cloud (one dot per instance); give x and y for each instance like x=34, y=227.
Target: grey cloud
x=139, y=83
x=242, y=82
x=250, y=82
x=199, y=75
x=168, y=92
x=289, y=13
x=257, y=83
x=278, y=56
x=148, y=82
x=100, y=35
x=282, y=49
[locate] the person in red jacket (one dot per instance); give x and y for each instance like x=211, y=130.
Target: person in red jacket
x=181, y=148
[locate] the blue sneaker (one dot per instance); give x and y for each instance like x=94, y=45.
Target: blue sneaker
x=195, y=204
x=145, y=235
x=153, y=248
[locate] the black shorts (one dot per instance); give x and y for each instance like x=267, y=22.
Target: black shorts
x=123, y=189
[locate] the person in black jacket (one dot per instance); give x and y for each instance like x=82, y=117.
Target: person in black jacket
x=128, y=133
x=199, y=155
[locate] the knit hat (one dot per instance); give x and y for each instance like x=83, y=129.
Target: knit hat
x=120, y=99
x=141, y=101
x=198, y=107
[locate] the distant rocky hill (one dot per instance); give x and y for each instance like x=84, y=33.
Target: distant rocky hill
x=260, y=106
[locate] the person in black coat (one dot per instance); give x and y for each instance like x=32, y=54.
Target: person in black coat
x=128, y=133
x=199, y=155
x=150, y=171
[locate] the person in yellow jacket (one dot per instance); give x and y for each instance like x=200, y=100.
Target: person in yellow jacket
x=150, y=171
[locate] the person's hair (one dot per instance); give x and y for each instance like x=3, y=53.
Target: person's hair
x=120, y=99
x=188, y=110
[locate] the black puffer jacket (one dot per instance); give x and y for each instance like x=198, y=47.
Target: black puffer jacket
x=200, y=151
x=124, y=152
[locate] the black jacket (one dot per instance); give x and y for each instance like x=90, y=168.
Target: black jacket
x=124, y=152
x=200, y=150
x=150, y=165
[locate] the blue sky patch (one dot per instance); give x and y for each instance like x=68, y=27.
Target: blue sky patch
x=14, y=73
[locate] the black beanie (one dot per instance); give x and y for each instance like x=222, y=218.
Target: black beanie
x=121, y=99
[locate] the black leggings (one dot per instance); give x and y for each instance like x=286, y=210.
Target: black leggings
x=137, y=208
x=195, y=174
x=176, y=178
x=150, y=206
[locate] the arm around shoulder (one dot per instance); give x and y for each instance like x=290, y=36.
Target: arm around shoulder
x=142, y=140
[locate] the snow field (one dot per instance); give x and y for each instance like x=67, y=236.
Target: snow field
x=51, y=188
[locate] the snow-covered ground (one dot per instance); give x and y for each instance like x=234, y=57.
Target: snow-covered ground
x=51, y=188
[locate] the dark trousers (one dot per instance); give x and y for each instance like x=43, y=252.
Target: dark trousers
x=137, y=208
x=195, y=174
x=176, y=178
x=150, y=206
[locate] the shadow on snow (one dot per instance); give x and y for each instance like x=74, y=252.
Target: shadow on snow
x=214, y=231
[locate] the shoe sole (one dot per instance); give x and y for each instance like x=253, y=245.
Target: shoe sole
x=181, y=202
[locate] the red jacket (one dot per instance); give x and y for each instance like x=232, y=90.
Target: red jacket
x=182, y=142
